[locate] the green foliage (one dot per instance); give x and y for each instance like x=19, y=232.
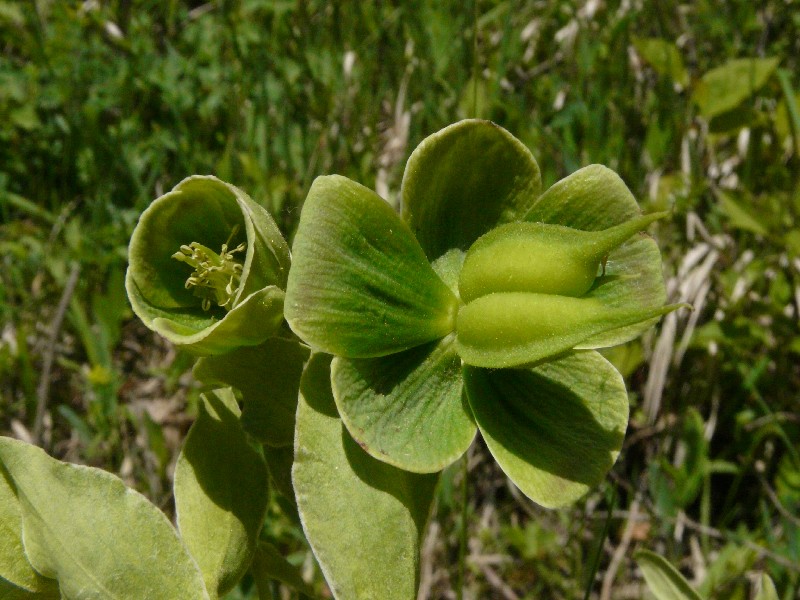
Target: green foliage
x=65, y=541
x=104, y=106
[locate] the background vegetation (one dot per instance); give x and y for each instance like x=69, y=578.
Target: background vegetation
x=106, y=105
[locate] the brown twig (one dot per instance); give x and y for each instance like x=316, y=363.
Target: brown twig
x=43, y=389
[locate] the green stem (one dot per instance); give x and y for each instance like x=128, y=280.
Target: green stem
x=596, y=562
x=462, y=548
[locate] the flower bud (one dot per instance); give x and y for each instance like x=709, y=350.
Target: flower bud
x=516, y=328
x=541, y=258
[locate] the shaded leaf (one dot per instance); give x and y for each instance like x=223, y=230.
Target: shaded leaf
x=268, y=376
x=99, y=538
x=269, y=565
x=555, y=429
x=663, y=579
x=464, y=180
x=406, y=409
x=220, y=492
x=725, y=87
x=363, y=518
x=360, y=285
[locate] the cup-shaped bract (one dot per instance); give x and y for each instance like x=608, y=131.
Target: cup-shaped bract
x=208, y=268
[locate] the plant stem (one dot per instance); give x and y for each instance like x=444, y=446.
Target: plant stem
x=462, y=548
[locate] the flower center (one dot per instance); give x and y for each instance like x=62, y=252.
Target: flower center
x=215, y=277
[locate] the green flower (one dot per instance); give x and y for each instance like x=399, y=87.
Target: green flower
x=208, y=267
x=418, y=369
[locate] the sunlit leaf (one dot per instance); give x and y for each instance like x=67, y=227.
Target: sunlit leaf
x=725, y=87
x=663, y=579
x=462, y=181
x=220, y=492
x=360, y=285
x=17, y=577
x=766, y=589
x=363, y=518
x=97, y=537
x=407, y=409
x=664, y=57
x=555, y=429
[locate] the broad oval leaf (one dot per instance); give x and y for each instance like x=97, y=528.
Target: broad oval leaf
x=663, y=579
x=221, y=484
x=206, y=210
x=464, y=180
x=268, y=376
x=592, y=198
x=555, y=429
x=97, y=537
x=18, y=579
x=407, y=409
x=725, y=87
x=360, y=285
x=363, y=518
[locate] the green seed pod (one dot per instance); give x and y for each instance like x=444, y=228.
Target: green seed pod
x=208, y=268
x=515, y=328
x=541, y=258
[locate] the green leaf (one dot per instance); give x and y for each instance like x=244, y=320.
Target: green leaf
x=279, y=462
x=360, y=285
x=97, y=537
x=363, y=518
x=555, y=429
x=221, y=484
x=18, y=579
x=268, y=376
x=663, y=579
x=739, y=215
x=592, y=198
x=516, y=328
x=766, y=588
x=725, y=87
x=407, y=409
x=664, y=57
x=269, y=565
x=464, y=180
x=205, y=210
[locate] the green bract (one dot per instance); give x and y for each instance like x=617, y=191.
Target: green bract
x=424, y=313
x=208, y=267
